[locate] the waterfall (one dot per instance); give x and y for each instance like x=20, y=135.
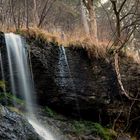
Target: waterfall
x=21, y=79
x=64, y=71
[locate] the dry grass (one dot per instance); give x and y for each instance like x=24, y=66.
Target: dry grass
x=37, y=33
x=133, y=55
x=75, y=39
x=87, y=43
x=69, y=40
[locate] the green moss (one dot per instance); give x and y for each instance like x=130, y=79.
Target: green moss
x=50, y=112
x=85, y=127
x=81, y=127
x=105, y=133
x=78, y=127
x=17, y=100
x=10, y=98
x=2, y=84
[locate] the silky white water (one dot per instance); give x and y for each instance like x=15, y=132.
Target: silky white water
x=44, y=133
x=65, y=58
x=21, y=79
x=65, y=71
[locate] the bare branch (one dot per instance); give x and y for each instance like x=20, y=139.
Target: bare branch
x=114, y=6
x=123, y=3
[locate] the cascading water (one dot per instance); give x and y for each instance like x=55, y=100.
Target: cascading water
x=21, y=81
x=66, y=72
x=20, y=77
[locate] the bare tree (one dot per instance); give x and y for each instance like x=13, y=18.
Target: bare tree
x=35, y=13
x=84, y=18
x=119, y=43
x=12, y=5
x=89, y=4
x=27, y=13
x=47, y=6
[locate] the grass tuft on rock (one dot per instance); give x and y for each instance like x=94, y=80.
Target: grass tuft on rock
x=83, y=127
x=2, y=84
x=10, y=98
x=50, y=112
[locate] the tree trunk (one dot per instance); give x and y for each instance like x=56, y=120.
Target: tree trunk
x=93, y=23
x=19, y=16
x=27, y=14
x=117, y=51
x=89, y=4
x=84, y=18
x=35, y=13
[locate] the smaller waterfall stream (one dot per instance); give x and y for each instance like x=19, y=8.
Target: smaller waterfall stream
x=21, y=80
x=66, y=72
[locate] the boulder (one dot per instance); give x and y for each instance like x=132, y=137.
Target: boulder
x=15, y=127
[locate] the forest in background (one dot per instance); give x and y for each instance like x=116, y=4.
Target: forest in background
x=101, y=19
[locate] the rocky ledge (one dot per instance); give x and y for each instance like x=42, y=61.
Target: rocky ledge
x=15, y=127
x=67, y=80
x=72, y=83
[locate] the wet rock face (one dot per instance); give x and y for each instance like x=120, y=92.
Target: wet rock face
x=2, y=40
x=15, y=127
x=44, y=61
x=67, y=80
x=70, y=82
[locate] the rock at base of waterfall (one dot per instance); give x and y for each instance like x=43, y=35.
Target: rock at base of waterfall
x=15, y=127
